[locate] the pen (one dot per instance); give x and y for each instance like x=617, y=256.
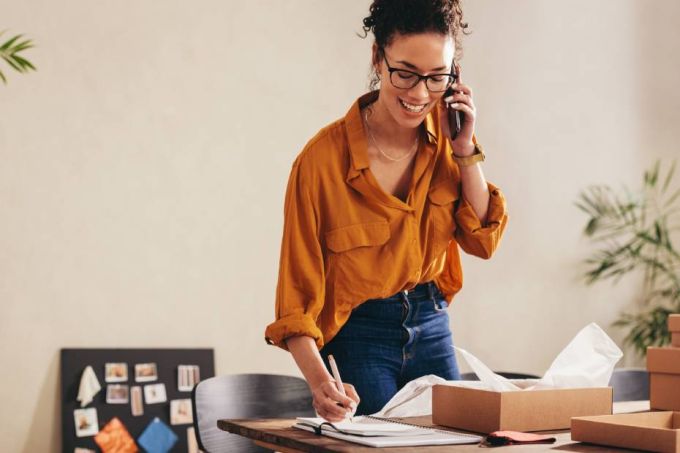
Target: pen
x=336, y=376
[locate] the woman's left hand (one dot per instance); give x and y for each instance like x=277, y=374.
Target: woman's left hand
x=461, y=100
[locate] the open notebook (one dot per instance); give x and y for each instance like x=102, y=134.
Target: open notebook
x=382, y=432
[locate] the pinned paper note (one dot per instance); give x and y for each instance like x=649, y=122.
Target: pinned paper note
x=192, y=443
x=89, y=387
x=115, y=438
x=157, y=437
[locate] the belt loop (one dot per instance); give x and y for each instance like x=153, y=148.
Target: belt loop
x=432, y=292
x=430, y=289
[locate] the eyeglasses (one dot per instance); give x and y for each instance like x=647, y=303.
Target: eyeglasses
x=404, y=79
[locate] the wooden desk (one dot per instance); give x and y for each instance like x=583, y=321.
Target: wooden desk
x=278, y=434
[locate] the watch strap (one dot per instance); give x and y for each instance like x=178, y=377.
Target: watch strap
x=477, y=156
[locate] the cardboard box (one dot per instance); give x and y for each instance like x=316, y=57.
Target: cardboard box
x=485, y=411
x=663, y=365
x=664, y=391
x=674, y=329
x=655, y=431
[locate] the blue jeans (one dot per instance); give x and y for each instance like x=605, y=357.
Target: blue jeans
x=388, y=342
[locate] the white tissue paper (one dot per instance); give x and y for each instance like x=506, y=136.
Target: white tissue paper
x=492, y=380
x=414, y=399
x=587, y=361
x=89, y=387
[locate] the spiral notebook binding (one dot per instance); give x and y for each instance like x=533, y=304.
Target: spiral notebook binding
x=399, y=422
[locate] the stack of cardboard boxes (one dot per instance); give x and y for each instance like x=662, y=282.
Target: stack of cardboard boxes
x=657, y=430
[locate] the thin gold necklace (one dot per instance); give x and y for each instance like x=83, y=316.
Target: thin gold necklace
x=387, y=156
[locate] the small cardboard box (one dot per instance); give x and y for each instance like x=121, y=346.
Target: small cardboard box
x=674, y=329
x=663, y=365
x=655, y=431
x=485, y=411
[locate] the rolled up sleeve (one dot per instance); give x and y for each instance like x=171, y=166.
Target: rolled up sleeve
x=474, y=237
x=300, y=288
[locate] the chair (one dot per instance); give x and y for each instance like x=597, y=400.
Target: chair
x=630, y=384
x=245, y=396
x=471, y=376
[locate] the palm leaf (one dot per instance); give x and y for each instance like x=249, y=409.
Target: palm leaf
x=669, y=177
x=9, y=53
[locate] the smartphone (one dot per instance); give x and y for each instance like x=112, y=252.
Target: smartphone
x=455, y=117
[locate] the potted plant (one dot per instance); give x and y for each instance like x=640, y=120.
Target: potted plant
x=633, y=233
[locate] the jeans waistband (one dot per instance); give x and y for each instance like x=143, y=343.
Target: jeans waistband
x=422, y=292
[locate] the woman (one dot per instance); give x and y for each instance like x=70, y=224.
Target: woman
x=376, y=207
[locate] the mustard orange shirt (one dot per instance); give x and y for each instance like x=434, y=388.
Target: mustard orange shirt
x=345, y=240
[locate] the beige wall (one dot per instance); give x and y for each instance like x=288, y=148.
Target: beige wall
x=143, y=168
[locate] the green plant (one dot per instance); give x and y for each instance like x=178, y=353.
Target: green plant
x=9, y=51
x=633, y=232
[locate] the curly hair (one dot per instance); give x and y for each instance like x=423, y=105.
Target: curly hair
x=388, y=17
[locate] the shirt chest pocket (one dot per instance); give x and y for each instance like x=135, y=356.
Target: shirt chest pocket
x=442, y=202
x=358, y=260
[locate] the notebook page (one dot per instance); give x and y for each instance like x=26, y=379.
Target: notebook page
x=363, y=426
x=433, y=438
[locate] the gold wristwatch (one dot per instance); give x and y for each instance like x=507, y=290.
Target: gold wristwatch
x=477, y=156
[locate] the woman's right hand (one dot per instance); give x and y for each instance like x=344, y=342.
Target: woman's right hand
x=326, y=398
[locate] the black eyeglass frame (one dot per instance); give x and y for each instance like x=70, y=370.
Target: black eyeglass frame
x=392, y=70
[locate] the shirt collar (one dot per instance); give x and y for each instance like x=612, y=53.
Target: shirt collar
x=356, y=137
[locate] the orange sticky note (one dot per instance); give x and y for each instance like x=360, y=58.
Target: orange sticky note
x=115, y=438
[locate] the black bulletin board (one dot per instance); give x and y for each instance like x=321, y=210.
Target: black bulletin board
x=74, y=361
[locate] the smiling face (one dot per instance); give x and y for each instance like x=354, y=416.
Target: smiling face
x=423, y=53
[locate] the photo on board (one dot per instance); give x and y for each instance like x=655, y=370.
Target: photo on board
x=146, y=372
x=181, y=412
x=187, y=377
x=155, y=393
x=117, y=394
x=86, y=422
x=116, y=372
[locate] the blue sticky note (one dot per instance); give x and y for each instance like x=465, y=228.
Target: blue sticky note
x=157, y=437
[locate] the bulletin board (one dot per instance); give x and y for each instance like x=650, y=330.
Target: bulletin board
x=74, y=362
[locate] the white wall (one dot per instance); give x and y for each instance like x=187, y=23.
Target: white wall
x=143, y=168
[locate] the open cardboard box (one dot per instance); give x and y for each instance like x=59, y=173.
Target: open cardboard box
x=470, y=407
x=663, y=365
x=654, y=431
x=674, y=329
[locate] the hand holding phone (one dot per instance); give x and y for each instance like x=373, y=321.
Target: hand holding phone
x=455, y=117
